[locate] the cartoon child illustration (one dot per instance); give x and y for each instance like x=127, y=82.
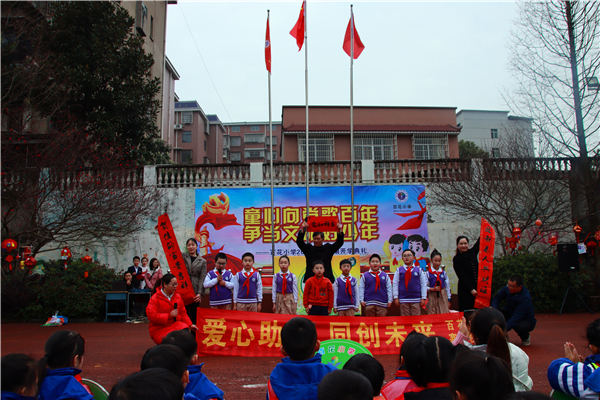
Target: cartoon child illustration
x=419, y=245
x=395, y=245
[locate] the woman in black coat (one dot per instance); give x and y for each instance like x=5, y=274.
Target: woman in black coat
x=466, y=266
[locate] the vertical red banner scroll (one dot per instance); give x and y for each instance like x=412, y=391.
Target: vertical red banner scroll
x=175, y=259
x=487, y=242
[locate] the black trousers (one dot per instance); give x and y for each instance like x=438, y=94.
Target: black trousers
x=523, y=327
x=318, y=310
x=192, y=310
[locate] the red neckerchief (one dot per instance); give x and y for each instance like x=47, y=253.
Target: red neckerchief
x=377, y=280
x=349, y=289
x=86, y=387
x=394, y=262
x=284, y=284
x=402, y=373
x=430, y=385
x=437, y=276
x=217, y=285
x=247, y=281
x=407, y=275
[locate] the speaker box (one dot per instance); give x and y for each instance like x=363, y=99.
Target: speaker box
x=568, y=257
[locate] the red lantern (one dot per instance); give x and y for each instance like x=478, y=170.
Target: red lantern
x=597, y=235
x=66, y=255
x=517, y=232
x=87, y=259
x=9, y=245
x=30, y=262
x=553, y=240
x=591, y=246
x=538, y=222
x=577, y=229
x=9, y=259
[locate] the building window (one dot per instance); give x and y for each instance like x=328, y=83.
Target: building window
x=205, y=145
x=236, y=156
x=254, y=153
x=320, y=147
x=206, y=160
x=430, y=146
x=236, y=141
x=186, y=156
x=274, y=155
x=496, y=153
x=235, y=129
x=274, y=140
x=494, y=133
x=187, y=117
x=186, y=137
x=374, y=148
x=255, y=128
x=226, y=141
x=254, y=138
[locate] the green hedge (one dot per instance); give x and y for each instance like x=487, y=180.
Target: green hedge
x=66, y=291
x=543, y=279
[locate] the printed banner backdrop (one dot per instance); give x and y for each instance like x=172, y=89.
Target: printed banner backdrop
x=249, y=334
x=387, y=219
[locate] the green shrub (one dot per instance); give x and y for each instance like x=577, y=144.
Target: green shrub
x=541, y=276
x=66, y=291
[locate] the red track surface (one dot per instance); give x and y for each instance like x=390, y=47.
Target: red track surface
x=114, y=350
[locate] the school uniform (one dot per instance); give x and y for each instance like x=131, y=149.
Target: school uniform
x=61, y=384
x=220, y=296
x=410, y=287
x=297, y=379
x=247, y=290
x=375, y=290
x=437, y=302
x=581, y=380
x=15, y=396
x=200, y=386
x=285, y=287
x=345, y=296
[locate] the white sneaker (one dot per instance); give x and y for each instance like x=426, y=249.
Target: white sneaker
x=526, y=342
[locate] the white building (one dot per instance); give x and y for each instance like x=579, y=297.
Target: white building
x=496, y=132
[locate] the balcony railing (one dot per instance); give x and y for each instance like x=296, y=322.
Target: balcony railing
x=204, y=175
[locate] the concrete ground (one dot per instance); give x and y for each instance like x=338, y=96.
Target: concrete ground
x=114, y=350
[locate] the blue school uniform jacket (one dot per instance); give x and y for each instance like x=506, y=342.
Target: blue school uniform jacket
x=581, y=380
x=200, y=386
x=297, y=380
x=61, y=384
x=14, y=396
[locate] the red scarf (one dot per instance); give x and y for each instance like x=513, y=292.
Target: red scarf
x=349, y=289
x=407, y=276
x=430, y=385
x=395, y=262
x=247, y=281
x=284, y=284
x=377, y=280
x=437, y=276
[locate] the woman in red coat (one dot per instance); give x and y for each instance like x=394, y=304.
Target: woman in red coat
x=164, y=317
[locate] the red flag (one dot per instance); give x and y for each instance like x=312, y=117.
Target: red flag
x=298, y=29
x=358, y=45
x=268, y=47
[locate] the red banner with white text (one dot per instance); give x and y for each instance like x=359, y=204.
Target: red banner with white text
x=487, y=242
x=175, y=259
x=249, y=334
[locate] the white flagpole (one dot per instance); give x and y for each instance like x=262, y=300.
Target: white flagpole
x=306, y=95
x=271, y=158
x=352, y=122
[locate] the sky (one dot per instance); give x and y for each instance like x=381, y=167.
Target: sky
x=436, y=54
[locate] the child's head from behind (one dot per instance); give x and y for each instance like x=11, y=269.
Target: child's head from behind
x=186, y=341
x=299, y=339
x=20, y=374
x=248, y=261
x=318, y=268
x=375, y=262
x=284, y=264
x=396, y=243
x=429, y=360
x=413, y=336
x=593, y=336
x=345, y=266
x=477, y=376
x=149, y=384
x=368, y=367
x=346, y=385
x=168, y=357
x=487, y=326
x=64, y=349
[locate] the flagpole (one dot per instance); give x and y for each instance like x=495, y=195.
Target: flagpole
x=306, y=175
x=352, y=123
x=271, y=158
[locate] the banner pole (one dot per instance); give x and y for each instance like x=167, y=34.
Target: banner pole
x=306, y=175
x=270, y=149
x=352, y=123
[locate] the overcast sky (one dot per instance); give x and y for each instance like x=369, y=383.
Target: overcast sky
x=451, y=54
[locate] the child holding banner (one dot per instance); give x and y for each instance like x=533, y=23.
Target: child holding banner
x=247, y=287
x=285, y=288
x=438, y=293
x=345, y=292
x=410, y=286
x=375, y=289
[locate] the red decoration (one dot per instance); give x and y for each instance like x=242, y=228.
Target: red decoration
x=577, y=229
x=66, y=255
x=538, y=222
x=553, y=240
x=591, y=246
x=30, y=262
x=517, y=232
x=87, y=259
x=9, y=244
x=9, y=259
x=597, y=235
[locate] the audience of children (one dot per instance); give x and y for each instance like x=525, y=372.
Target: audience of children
x=20, y=375
x=344, y=385
x=375, y=289
x=575, y=376
x=402, y=382
x=370, y=368
x=285, y=288
x=318, y=292
x=488, y=330
x=220, y=282
x=345, y=292
x=166, y=311
x=247, y=287
x=410, y=286
x=62, y=364
x=149, y=384
x=300, y=372
x=438, y=294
